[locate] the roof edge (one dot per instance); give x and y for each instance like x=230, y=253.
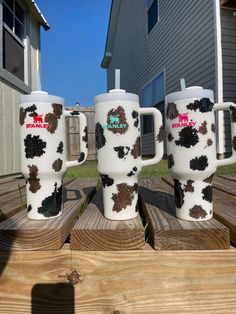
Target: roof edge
x=41, y=18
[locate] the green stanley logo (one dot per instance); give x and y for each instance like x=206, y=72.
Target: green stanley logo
x=114, y=123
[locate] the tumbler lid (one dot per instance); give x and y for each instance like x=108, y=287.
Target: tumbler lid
x=41, y=96
x=116, y=94
x=196, y=92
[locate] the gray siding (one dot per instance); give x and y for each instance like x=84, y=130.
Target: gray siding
x=184, y=29
x=228, y=22
x=182, y=43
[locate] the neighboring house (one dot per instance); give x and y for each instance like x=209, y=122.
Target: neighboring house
x=155, y=43
x=20, y=22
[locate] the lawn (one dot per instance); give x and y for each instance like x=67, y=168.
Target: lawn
x=88, y=170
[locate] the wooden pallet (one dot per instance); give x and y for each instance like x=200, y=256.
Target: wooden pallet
x=117, y=281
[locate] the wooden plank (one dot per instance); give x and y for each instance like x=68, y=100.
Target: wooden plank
x=14, y=185
x=143, y=281
x=170, y=233
x=225, y=185
x=228, y=177
x=94, y=232
x=21, y=233
x=223, y=206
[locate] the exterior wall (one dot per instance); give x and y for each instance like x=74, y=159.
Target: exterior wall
x=10, y=91
x=182, y=43
x=228, y=24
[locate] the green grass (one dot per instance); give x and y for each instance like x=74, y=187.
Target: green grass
x=88, y=170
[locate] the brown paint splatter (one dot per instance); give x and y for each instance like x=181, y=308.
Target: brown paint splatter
x=57, y=110
x=160, y=135
x=203, y=128
x=171, y=112
x=189, y=186
x=85, y=137
x=197, y=212
x=124, y=196
x=209, y=179
x=209, y=142
x=22, y=116
x=51, y=119
x=116, y=117
x=57, y=164
x=170, y=137
x=34, y=182
x=136, y=150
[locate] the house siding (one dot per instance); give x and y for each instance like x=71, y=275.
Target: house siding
x=182, y=43
x=9, y=109
x=228, y=25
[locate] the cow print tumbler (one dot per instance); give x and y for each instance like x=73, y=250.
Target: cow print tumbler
x=191, y=149
x=118, y=144
x=44, y=151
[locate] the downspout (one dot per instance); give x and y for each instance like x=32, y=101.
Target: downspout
x=219, y=77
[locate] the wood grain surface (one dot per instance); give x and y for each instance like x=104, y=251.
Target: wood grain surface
x=145, y=281
x=170, y=233
x=94, y=232
x=21, y=233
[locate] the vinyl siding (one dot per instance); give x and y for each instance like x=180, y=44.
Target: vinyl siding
x=182, y=43
x=9, y=109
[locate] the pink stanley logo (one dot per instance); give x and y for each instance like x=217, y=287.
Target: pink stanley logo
x=183, y=121
x=38, y=122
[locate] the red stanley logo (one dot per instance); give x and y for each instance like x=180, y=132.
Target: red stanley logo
x=183, y=121
x=37, y=122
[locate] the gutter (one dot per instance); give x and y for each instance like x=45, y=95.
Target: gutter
x=44, y=23
x=219, y=77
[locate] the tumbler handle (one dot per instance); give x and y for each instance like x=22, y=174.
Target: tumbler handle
x=158, y=135
x=83, y=140
x=232, y=108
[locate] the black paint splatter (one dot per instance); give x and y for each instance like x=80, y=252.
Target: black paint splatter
x=203, y=105
x=179, y=194
x=130, y=174
x=85, y=137
x=170, y=160
x=135, y=116
x=51, y=205
x=81, y=157
x=213, y=128
x=199, y=163
x=122, y=151
x=99, y=134
x=106, y=180
x=207, y=193
x=187, y=137
x=34, y=146
x=75, y=113
x=31, y=110
x=60, y=148
x=233, y=112
x=29, y=208
x=170, y=137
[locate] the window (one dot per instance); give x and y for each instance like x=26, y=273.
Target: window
x=153, y=95
x=13, y=37
x=152, y=12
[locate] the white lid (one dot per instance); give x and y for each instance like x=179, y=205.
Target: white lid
x=40, y=96
x=190, y=92
x=116, y=94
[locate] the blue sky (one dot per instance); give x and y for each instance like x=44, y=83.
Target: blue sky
x=72, y=50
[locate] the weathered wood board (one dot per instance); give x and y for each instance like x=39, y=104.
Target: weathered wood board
x=145, y=281
x=170, y=233
x=21, y=233
x=94, y=232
